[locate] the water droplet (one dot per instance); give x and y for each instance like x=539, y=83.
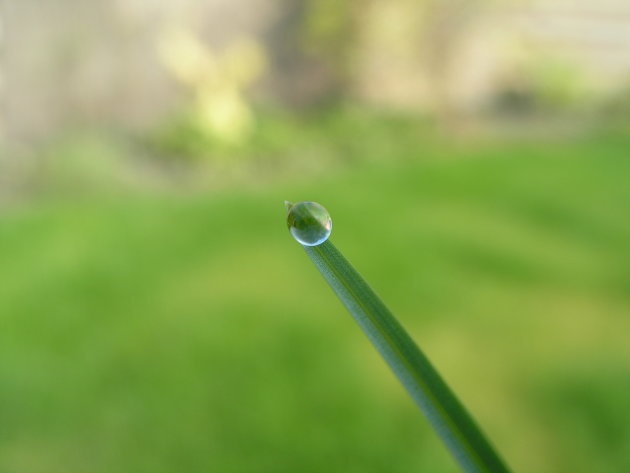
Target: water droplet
x=309, y=223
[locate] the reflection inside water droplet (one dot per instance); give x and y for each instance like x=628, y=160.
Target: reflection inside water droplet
x=309, y=223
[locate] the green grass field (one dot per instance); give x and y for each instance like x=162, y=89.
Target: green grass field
x=153, y=333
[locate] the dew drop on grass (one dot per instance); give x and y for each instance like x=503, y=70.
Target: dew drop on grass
x=309, y=223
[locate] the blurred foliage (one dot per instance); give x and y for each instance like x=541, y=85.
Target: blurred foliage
x=219, y=108
x=543, y=83
x=616, y=108
x=319, y=138
x=556, y=83
x=156, y=333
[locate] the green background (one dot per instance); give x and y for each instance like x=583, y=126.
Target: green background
x=160, y=332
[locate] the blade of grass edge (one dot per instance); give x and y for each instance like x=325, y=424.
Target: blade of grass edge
x=445, y=413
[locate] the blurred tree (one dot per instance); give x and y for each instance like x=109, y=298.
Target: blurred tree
x=446, y=25
x=311, y=44
x=331, y=32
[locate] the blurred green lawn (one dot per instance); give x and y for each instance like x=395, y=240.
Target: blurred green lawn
x=191, y=334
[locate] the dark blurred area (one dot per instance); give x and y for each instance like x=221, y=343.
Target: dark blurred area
x=155, y=313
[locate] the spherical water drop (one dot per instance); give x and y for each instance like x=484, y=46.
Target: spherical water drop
x=309, y=223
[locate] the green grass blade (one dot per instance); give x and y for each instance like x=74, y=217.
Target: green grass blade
x=438, y=403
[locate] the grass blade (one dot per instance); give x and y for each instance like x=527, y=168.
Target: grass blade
x=438, y=403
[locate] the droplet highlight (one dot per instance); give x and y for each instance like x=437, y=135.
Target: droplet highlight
x=309, y=223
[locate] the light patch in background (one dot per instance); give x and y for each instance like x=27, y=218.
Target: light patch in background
x=218, y=81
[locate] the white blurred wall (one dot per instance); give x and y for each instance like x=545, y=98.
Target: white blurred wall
x=463, y=51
